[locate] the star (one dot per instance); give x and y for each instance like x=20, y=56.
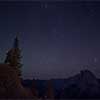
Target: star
x=95, y=60
x=44, y=5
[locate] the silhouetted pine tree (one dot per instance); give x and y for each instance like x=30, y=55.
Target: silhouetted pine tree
x=13, y=57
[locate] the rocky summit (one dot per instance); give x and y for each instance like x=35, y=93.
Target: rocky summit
x=82, y=85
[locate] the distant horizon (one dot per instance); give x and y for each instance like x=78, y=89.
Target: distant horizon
x=66, y=77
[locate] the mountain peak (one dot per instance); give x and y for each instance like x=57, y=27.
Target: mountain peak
x=86, y=72
x=87, y=75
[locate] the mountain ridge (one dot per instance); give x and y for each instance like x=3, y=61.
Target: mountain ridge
x=81, y=83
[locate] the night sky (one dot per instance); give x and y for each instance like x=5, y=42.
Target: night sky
x=57, y=39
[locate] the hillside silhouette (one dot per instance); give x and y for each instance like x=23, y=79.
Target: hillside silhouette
x=82, y=85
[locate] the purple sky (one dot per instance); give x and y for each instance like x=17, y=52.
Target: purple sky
x=57, y=38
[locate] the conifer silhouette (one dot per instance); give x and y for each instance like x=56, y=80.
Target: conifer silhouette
x=13, y=57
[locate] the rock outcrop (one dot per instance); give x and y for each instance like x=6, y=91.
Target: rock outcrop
x=82, y=85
